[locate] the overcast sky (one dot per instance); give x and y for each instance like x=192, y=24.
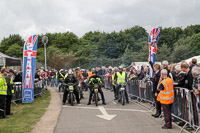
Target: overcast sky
x=28, y=17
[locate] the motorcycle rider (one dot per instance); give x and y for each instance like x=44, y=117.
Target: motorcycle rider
x=121, y=76
x=71, y=79
x=92, y=80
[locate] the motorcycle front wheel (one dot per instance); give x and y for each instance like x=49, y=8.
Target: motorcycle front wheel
x=123, y=97
x=71, y=99
x=96, y=98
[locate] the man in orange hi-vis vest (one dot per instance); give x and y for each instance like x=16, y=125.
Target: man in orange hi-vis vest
x=89, y=74
x=166, y=97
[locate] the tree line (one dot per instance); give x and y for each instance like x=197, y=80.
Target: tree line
x=95, y=48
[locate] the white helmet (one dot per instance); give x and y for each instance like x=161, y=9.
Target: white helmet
x=120, y=67
x=70, y=72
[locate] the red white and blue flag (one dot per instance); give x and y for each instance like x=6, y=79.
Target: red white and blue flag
x=29, y=61
x=153, y=41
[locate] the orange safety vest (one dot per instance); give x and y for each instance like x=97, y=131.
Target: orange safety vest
x=89, y=75
x=166, y=96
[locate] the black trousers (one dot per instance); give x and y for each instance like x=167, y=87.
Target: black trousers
x=8, y=104
x=75, y=93
x=115, y=91
x=195, y=110
x=92, y=92
x=2, y=105
x=158, y=105
x=167, y=109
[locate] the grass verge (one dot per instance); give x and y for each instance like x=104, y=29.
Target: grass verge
x=25, y=115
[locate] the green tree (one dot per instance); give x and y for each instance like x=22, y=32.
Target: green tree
x=180, y=52
x=15, y=51
x=163, y=53
x=9, y=41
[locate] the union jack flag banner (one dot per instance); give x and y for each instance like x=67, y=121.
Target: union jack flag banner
x=29, y=61
x=153, y=41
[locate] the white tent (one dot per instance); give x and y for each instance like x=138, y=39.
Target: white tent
x=190, y=59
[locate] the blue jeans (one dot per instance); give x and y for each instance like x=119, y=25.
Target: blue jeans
x=56, y=82
x=175, y=108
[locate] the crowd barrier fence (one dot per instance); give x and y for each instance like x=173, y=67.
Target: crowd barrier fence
x=17, y=86
x=185, y=106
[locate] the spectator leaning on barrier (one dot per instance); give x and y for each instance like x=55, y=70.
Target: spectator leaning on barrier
x=140, y=75
x=37, y=76
x=3, y=93
x=133, y=74
x=196, y=79
x=166, y=97
x=196, y=88
x=10, y=91
x=188, y=79
x=188, y=83
x=179, y=76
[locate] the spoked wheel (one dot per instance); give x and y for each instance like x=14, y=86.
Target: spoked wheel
x=96, y=99
x=71, y=99
x=123, y=97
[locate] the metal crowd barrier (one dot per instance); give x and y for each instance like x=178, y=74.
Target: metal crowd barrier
x=185, y=101
x=187, y=107
x=141, y=90
x=17, y=86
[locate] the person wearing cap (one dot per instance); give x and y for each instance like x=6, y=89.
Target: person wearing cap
x=3, y=93
x=121, y=76
x=96, y=79
x=10, y=91
x=71, y=79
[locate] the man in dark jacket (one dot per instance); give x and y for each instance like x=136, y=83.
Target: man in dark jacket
x=155, y=80
x=96, y=79
x=71, y=79
x=10, y=91
x=188, y=82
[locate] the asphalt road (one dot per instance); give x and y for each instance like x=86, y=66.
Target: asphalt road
x=131, y=118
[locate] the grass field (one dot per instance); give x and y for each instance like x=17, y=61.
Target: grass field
x=25, y=115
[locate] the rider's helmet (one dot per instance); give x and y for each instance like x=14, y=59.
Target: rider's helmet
x=120, y=67
x=61, y=70
x=70, y=72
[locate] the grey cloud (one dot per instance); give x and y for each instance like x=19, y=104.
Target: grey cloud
x=27, y=17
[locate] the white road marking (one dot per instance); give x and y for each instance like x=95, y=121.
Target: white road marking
x=105, y=115
x=115, y=103
x=111, y=109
